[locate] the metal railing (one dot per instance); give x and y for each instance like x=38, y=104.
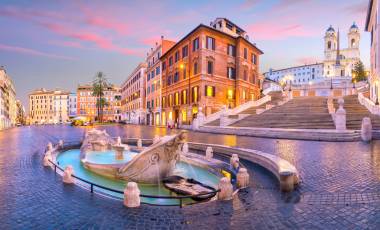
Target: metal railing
x=180, y=198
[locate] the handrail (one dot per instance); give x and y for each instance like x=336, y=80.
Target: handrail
x=141, y=195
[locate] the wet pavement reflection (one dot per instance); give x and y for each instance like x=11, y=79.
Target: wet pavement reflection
x=340, y=186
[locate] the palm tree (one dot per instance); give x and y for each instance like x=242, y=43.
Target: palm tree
x=99, y=85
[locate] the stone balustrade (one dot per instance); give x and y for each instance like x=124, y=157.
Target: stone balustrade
x=285, y=172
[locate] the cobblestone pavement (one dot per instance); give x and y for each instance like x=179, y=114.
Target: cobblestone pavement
x=340, y=188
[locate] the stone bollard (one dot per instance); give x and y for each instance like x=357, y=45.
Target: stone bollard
x=67, y=175
x=226, y=189
x=139, y=144
x=131, y=195
x=286, y=181
x=185, y=148
x=156, y=139
x=118, y=141
x=49, y=146
x=366, y=131
x=60, y=144
x=242, y=178
x=340, y=116
x=234, y=159
x=47, y=159
x=209, y=153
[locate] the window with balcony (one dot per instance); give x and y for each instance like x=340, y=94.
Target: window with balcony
x=194, y=94
x=176, y=77
x=210, y=43
x=245, y=53
x=254, y=59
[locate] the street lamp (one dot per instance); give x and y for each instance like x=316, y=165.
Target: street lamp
x=377, y=91
x=353, y=80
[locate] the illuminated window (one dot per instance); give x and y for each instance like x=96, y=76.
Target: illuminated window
x=163, y=118
x=243, y=94
x=170, y=100
x=176, y=98
x=170, y=115
x=184, y=97
x=195, y=94
x=230, y=94
x=184, y=116
x=210, y=91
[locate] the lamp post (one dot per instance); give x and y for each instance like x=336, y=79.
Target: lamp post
x=353, y=80
x=377, y=92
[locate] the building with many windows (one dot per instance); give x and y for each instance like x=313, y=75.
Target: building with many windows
x=8, y=104
x=304, y=74
x=86, y=102
x=48, y=106
x=72, y=105
x=338, y=63
x=153, y=81
x=211, y=67
x=133, y=96
x=372, y=23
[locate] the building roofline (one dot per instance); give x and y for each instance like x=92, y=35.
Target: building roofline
x=228, y=20
x=211, y=28
x=369, y=11
x=276, y=70
x=135, y=70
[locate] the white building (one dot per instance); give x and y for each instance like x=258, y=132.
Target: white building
x=337, y=62
x=72, y=105
x=372, y=22
x=133, y=96
x=298, y=75
x=340, y=62
x=8, y=104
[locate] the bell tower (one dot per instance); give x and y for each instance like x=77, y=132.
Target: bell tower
x=331, y=43
x=354, y=37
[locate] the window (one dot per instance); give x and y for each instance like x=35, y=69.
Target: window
x=176, y=56
x=163, y=66
x=245, y=53
x=152, y=74
x=210, y=67
x=148, y=104
x=148, y=78
x=231, y=50
x=329, y=45
x=231, y=73
x=254, y=59
x=245, y=75
x=210, y=91
x=163, y=102
x=195, y=70
x=210, y=44
x=152, y=88
x=170, y=80
x=157, y=70
x=195, y=44
x=194, y=94
x=184, y=97
x=170, y=61
x=184, y=72
x=176, y=77
x=170, y=100
x=176, y=98
x=185, y=51
x=230, y=94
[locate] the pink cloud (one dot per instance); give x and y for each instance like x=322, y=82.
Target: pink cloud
x=272, y=30
x=247, y=4
x=307, y=60
x=33, y=52
x=67, y=44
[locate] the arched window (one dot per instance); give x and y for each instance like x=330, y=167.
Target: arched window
x=353, y=42
x=329, y=45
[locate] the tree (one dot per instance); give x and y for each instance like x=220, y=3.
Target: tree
x=359, y=73
x=99, y=85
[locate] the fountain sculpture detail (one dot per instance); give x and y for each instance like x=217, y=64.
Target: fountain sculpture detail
x=151, y=165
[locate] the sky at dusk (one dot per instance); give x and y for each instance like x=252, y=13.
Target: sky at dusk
x=45, y=43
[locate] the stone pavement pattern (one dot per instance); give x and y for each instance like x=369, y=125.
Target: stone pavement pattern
x=341, y=188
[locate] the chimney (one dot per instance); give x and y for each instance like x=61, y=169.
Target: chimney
x=162, y=37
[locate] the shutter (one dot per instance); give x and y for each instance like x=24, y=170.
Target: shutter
x=213, y=91
x=213, y=44
x=192, y=94
x=205, y=90
x=199, y=90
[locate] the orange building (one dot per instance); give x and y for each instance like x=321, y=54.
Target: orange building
x=211, y=67
x=86, y=103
